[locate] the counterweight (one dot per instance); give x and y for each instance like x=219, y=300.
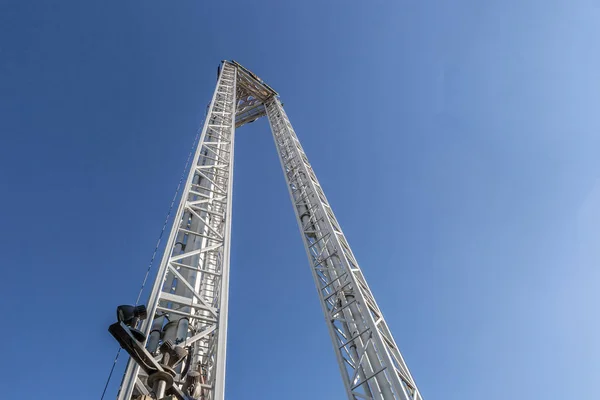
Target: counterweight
x=189, y=301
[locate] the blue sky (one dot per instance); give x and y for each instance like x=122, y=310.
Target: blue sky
x=456, y=140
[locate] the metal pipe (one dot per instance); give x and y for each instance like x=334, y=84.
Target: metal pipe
x=160, y=388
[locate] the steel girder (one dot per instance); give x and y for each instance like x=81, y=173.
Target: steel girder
x=370, y=361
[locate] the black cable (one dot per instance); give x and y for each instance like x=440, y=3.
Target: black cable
x=110, y=374
x=187, y=162
x=187, y=362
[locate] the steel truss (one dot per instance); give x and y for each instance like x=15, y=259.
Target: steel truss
x=369, y=360
x=189, y=300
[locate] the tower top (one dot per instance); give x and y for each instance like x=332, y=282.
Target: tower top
x=252, y=82
x=251, y=93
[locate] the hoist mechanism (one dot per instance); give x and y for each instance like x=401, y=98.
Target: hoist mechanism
x=178, y=345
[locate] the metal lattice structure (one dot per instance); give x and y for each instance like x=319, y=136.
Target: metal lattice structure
x=189, y=301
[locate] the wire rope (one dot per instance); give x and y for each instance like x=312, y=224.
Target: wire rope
x=160, y=236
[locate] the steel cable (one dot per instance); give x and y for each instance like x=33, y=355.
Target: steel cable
x=160, y=236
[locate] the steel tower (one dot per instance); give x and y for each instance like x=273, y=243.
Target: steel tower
x=189, y=300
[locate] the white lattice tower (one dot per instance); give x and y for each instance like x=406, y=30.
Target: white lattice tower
x=189, y=300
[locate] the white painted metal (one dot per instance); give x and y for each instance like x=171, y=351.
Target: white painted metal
x=369, y=359
x=189, y=301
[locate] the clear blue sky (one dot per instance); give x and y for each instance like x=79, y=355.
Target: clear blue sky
x=458, y=143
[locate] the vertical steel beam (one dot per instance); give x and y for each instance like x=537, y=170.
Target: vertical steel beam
x=189, y=300
x=369, y=359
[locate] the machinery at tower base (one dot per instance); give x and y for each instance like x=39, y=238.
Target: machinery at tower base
x=178, y=346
